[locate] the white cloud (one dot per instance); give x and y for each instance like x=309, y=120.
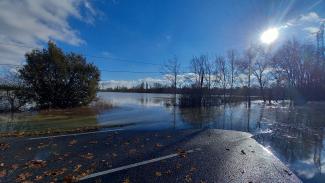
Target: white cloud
x=303, y=27
x=183, y=79
x=310, y=17
x=34, y=22
x=107, y=54
x=131, y=83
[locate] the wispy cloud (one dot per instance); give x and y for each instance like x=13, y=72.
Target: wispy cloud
x=34, y=22
x=310, y=17
x=304, y=26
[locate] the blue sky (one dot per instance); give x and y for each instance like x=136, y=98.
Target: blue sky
x=153, y=31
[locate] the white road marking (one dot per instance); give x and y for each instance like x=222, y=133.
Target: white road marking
x=74, y=134
x=135, y=164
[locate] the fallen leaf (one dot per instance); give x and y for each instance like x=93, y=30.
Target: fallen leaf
x=93, y=142
x=3, y=173
x=69, y=179
x=36, y=163
x=4, y=146
x=83, y=174
x=88, y=156
x=55, y=172
x=181, y=152
x=77, y=167
x=158, y=174
x=42, y=145
x=126, y=180
x=26, y=181
x=38, y=177
x=72, y=142
x=23, y=176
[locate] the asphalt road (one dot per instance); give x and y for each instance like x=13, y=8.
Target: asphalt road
x=141, y=156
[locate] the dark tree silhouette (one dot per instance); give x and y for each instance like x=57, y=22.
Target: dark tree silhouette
x=54, y=79
x=172, y=69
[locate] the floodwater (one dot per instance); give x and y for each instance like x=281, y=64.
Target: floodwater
x=295, y=134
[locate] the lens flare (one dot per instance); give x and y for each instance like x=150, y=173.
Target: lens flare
x=270, y=35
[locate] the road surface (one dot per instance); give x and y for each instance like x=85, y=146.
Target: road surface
x=141, y=156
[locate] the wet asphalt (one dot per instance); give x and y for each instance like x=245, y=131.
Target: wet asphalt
x=141, y=156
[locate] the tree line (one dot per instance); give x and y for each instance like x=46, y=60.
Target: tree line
x=294, y=71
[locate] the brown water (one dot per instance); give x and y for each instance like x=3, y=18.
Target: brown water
x=295, y=134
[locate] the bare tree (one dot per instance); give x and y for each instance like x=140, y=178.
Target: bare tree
x=10, y=91
x=245, y=67
x=232, y=69
x=198, y=65
x=259, y=68
x=209, y=71
x=301, y=71
x=172, y=69
x=221, y=73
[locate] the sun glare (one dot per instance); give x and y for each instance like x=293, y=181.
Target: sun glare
x=270, y=35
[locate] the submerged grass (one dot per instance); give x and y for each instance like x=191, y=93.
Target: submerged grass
x=53, y=121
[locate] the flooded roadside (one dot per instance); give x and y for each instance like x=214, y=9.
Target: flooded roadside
x=295, y=134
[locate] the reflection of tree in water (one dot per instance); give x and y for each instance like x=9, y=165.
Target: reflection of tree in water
x=297, y=134
x=199, y=116
x=232, y=116
x=147, y=100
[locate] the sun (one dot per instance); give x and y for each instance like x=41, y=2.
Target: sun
x=270, y=35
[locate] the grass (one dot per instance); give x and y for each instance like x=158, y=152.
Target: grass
x=52, y=121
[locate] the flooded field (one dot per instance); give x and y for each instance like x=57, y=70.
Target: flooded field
x=295, y=134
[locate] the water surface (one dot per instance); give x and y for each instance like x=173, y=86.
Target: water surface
x=295, y=134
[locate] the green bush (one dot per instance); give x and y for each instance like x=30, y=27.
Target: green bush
x=54, y=79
